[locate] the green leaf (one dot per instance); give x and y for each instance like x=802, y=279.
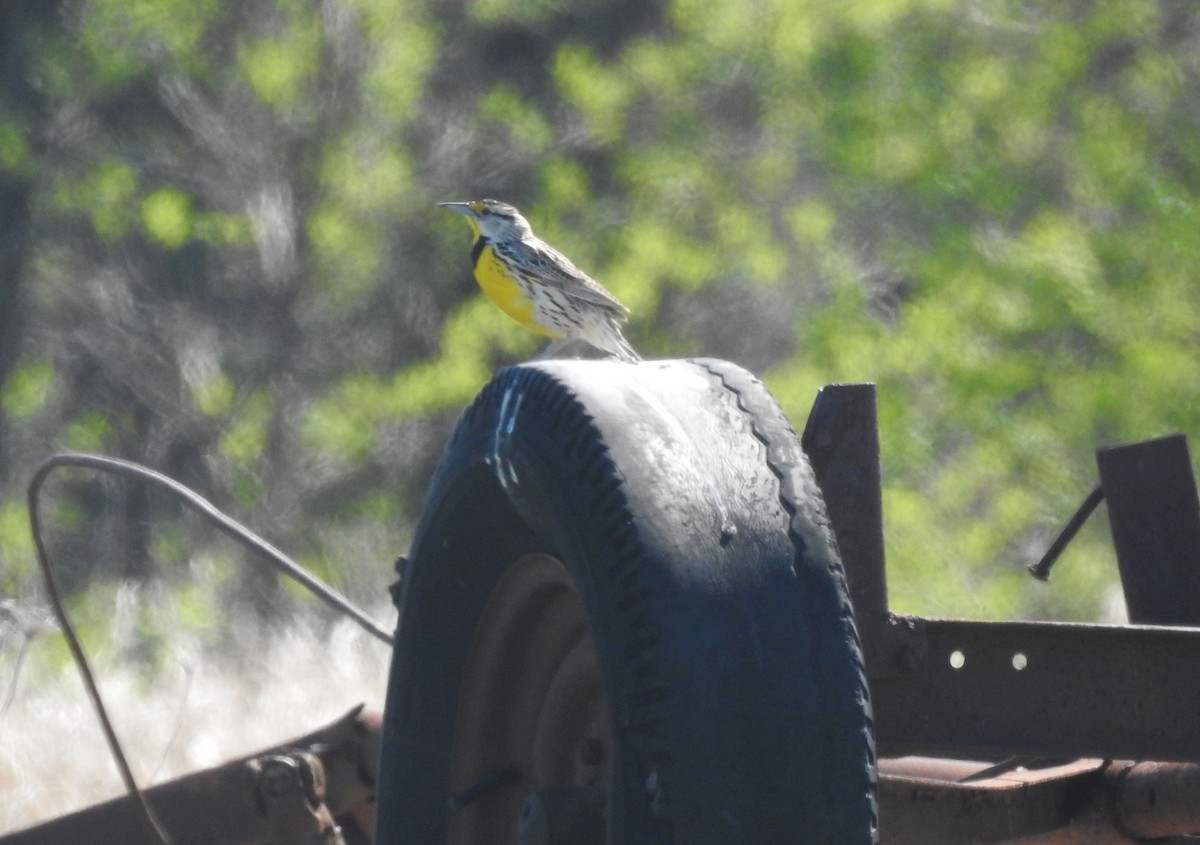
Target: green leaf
x=27, y=389
x=167, y=216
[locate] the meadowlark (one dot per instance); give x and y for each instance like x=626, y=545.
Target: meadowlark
x=537, y=285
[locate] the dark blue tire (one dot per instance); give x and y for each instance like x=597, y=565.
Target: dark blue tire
x=634, y=560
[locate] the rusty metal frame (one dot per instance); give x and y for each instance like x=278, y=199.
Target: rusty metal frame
x=1077, y=802
x=316, y=788
x=1029, y=733
x=988, y=690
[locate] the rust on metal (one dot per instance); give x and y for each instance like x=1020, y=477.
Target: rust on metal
x=961, y=688
x=1036, y=802
x=927, y=800
x=291, y=788
x=336, y=767
x=1030, y=690
x=1157, y=800
x=1025, y=718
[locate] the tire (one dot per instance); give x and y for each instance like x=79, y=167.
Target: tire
x=624, y=595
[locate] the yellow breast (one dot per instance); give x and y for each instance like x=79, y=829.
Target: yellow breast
x=502, y=289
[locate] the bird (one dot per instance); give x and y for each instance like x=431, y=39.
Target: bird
x=538, y=286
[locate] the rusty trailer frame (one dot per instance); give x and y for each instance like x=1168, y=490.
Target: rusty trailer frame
x=1027, y=733
x=1059, y=705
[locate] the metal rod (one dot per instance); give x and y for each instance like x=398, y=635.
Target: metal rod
x=89, y=681
x=202, y=506
x=224, y=522
x=1041, y=569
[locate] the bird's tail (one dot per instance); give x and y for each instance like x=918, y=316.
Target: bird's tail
x=620, y=347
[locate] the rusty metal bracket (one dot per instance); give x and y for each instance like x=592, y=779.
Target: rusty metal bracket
x=291, y=791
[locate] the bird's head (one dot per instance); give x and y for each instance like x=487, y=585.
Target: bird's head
x=492, y=219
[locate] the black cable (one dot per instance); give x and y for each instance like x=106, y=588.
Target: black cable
x=202, y=506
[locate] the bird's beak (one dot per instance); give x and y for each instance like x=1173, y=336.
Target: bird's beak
x=460, y=207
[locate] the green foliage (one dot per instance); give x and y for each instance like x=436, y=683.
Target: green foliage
x=247, y=436
x=279, y=69
x=346, y=251
x=215, y=395
x=27, y=389
x=17, y=562
x=167, y=216
x=88, y=433
x=121, y=39
x=14, y=148
x=221, y=228
x=106, y=196
x=508, y=11
x=404, y=47
x=988, y=209
x=602, y=95
x=529, y=129
x=196, y=606
x=346, y=423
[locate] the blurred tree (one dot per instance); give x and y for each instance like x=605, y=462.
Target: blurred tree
x=235, y=272
x=21, y=115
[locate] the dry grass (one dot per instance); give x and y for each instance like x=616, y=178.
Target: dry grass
x=199, y=712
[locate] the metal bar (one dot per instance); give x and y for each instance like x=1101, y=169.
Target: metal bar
x=1079, y=802
x=841, y=439
x=923, y=801
x=224, y=804
x=1081, y=691
x=1041, y=569
x=1156, y=800
x=1154, y=514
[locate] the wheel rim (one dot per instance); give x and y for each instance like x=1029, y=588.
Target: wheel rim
x=531, y=717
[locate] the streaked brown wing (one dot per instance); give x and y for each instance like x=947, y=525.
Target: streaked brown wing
x=544, y=263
